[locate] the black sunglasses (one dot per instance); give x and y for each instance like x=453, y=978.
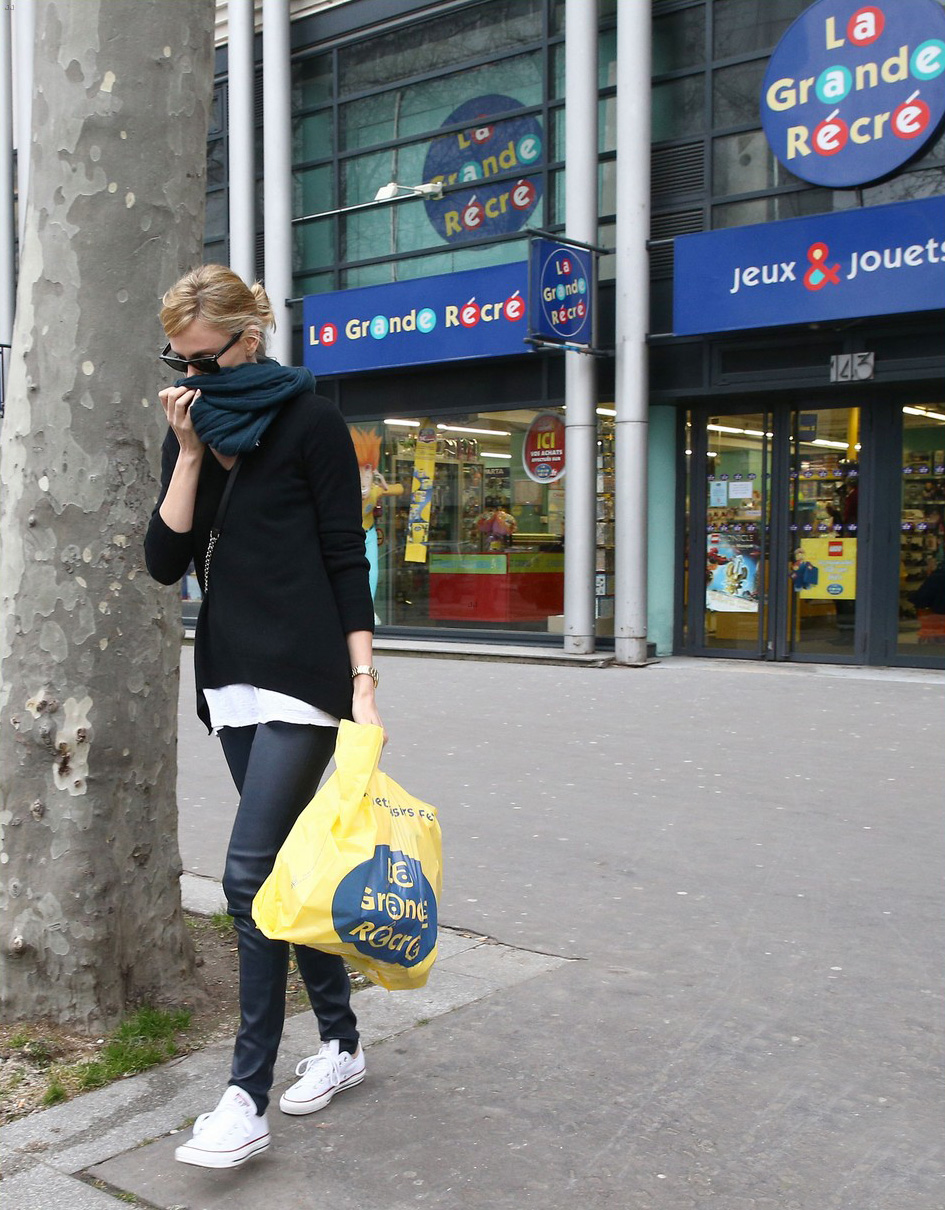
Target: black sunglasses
x=208, y=364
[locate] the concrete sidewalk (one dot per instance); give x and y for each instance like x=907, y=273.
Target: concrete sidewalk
x=714, y=897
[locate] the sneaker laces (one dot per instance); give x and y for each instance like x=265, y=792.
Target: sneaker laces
x=324, y=1056
x=221, y=1121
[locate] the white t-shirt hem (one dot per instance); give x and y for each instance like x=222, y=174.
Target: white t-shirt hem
x=245, y=705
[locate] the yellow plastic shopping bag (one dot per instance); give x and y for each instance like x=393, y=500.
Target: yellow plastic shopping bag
x=360, y=874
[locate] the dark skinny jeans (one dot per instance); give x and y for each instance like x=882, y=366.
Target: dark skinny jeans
x=276, y=767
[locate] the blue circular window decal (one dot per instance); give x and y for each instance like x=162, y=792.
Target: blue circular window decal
x=487, y=147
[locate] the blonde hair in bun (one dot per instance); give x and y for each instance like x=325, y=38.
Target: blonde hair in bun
x=218, y=296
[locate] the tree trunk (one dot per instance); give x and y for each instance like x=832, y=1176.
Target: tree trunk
x=89, y=645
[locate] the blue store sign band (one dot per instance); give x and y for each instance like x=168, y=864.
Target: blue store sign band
x=454, y=316
x=876, y=261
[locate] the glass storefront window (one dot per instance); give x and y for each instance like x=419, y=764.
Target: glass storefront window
x=423, y=107
x=922, y=534
x=216, y=164
x=217, y=110
x=744, y=27
x=678, y=108
x=422, y=47
x=607, y=187
x=313, y=246
x=607, y=58
x=311, y=81
x=607, y=124
x=781, y=205
x=215, y=222
x=735, y=92
x=743, y=163
x=906, y=187
x=448, y=261
x=311, y=190
x=678, y=40
x=465, y=519
x=312, y=137
x=604, y=566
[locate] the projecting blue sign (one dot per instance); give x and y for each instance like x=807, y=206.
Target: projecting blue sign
x=488, y=147
x=853, y=91
x=476, y=313
x=562, y=277
x=877, y=261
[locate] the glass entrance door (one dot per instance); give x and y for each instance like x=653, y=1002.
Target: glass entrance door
x=779, y=510
x=737, y=515
x=921, y=588
x=823, y=500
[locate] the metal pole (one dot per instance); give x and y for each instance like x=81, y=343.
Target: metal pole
x=632, y=306
x=24, y=30
x=242, y=175
x=277, y=170
x=580, y=74
x=7, y=219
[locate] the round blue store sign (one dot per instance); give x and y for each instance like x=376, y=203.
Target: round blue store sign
x=488, y=147
x=854, y=90
x=564, y=288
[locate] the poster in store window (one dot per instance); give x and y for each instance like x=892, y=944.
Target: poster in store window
x=824, y=569
x=731, y=573
x=543, y=450
x=421, y=495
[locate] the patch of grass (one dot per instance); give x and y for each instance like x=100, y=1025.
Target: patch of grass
x=222, y=922
x=55, y=1092
x=147, y=1038
x=37, y=1049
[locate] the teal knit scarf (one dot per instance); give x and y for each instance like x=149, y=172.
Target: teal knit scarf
x=236, y=406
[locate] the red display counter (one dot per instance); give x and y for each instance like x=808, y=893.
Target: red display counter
x=510, y=586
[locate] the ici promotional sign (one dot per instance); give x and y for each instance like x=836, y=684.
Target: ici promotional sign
x=853, y=91
x=475, y=313
x=877, y=261
x=543, y=449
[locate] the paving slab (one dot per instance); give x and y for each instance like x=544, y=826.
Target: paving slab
x=743, y=863
x=46, y=1149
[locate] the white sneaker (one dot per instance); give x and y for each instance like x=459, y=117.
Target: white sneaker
x=233, y=1133
x=324, y=1074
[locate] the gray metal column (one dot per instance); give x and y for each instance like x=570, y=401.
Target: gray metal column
x=632, y=302
x=24, y=33
x=242, y=183
x=580, y=73
x=7, y=220
x=277, y=170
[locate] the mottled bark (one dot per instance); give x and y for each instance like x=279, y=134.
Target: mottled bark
x=90, y=914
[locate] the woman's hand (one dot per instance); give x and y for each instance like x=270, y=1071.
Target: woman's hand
x=176, y=402
x=177, y=508
x=363, y=706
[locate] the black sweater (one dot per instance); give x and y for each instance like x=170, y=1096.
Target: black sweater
x=288, y=576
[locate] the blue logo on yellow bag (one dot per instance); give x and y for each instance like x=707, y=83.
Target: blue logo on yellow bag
x=386, y=909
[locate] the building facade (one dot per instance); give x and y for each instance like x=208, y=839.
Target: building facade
x=794, y=457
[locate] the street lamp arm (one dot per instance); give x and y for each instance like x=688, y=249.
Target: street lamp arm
x=387, y=195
